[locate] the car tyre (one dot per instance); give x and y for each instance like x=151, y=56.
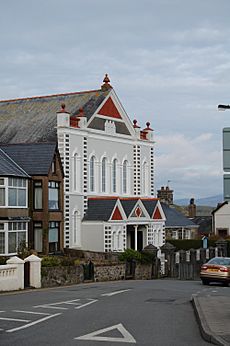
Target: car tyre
x=205, y=282
x=225, y=284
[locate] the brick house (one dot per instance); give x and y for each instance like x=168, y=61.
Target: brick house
x=42, y=165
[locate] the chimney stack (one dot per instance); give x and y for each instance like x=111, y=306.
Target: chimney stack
x=191, y=209
x=165, y=194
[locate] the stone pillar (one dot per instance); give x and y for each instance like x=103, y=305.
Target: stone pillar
x=35, y=270
x=151, y=249
x=168, y=249
x=19, y=263
x=222, y=246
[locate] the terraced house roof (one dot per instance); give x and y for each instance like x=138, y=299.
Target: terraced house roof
x=34, y=119
x=10, y=168
x=34, y=158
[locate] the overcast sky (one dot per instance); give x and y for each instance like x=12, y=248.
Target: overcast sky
x=168, y=61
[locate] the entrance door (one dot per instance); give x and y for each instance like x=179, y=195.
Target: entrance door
x=131, y=238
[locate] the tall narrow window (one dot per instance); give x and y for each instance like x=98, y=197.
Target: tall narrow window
x=2, y=192
x=53, y=195
x=53, y=236
x=124, y=176
x=37, y=194
x=114, y=175
x=2, y=239
x=144, y=178
x=38, y=236
x=103, y=175
x=92, y=173
x=75, y=172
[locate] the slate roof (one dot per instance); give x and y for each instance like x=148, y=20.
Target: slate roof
x=204, y=223
x=9, y=168
x=100, y=209
x=176, y=219
x=34, y=158
x=34, y=119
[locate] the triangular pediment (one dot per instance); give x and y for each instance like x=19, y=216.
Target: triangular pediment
x=109, y=109
x=111, y=117
x=139, y=211
x=116, y=214
x=158, y=213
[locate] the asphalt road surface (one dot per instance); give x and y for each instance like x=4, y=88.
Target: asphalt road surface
x=156, y=313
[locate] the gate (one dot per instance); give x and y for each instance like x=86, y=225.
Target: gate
x=27, y=274
x=88, y=271
x=130, y=270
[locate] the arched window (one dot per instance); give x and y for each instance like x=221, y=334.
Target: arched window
x=92, y=174
x=103, y=175
x=114, y=175
x=124, y=176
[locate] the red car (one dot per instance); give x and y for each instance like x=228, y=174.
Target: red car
x=216, y=270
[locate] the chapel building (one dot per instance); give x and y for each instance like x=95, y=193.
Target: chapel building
x=108, y=164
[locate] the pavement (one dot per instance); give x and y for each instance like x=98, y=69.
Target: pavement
x=213, y=316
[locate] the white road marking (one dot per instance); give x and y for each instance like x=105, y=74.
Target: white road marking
x=113, y=293
x=30, y=312
x=83, y=305
x=50, y=307
x=13, y=319
x=2, y=311
x=127, y=337
x=53, y=305
x=32, y=323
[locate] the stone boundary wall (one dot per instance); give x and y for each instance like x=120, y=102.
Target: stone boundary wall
x=109, y=272
x=143, y=272
x=60, y=276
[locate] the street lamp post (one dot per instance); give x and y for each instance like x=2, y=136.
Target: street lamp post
x=226, y=156
x=223, y=107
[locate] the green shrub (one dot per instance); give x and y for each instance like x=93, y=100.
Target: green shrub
x=3, y=260
x=141, y=257
x=50, y=261
x=187, y=244
x=129, y=255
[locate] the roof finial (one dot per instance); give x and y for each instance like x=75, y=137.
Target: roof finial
x=135, y=124
x=106, y=79
x=106, y=85
x=81, y=113
x=63, y=109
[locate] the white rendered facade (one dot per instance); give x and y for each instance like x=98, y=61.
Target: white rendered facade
x=105, y=163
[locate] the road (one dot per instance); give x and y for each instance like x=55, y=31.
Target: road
x=156, y=312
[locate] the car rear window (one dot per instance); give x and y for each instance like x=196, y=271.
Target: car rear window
x=221, y=261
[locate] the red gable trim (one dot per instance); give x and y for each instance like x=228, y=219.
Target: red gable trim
x=117, y=215
x=157, y=214
x=109, y=109
x=124, y=198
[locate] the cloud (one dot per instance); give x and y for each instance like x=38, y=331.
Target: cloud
x=193, y=165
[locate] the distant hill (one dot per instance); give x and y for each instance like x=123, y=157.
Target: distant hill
x=207, y=201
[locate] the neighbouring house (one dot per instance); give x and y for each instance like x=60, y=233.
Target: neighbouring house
x=177, y=225
x=14, y=211
x=221, y=220
x=44, y=203
x=104, y=155
x=204, y=225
